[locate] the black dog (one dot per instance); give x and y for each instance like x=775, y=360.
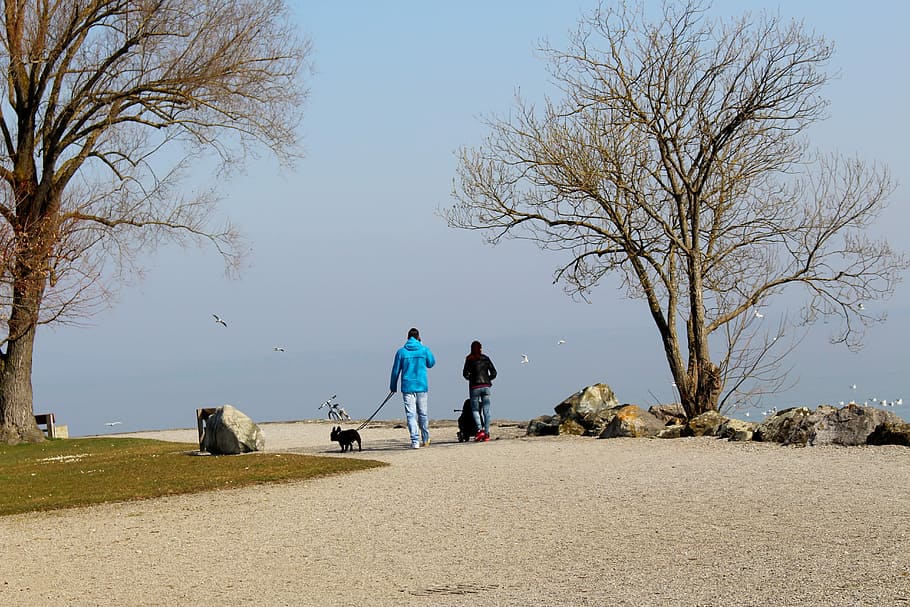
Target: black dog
x=466, y=426
x=346, y=438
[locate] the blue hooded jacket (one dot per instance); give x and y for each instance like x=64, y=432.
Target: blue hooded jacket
x=411, y=363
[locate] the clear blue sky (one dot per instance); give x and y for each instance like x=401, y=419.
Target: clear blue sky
x=348, y=252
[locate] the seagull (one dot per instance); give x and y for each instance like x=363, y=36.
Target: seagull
x=853, y=386
x=560, y=342
x=524, y=359
x=278, y=349
x=219, y=320
x=112, y=423
x=861, y=306
x=759, y=315
x=898, y=402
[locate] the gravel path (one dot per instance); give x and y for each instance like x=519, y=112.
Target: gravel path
x=551, y=521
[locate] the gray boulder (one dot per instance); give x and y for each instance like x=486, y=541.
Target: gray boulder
x=890, y=433
x=632, y=421
x=788, y=427
x=229, y=431
x=849, y=425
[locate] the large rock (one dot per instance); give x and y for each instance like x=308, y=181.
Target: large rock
x=890, y=433
x=736, y=430
x=633, y=422
x=591, y=408
x=591, y=399
x=670, y=414
x=849, y=425
x=788, y=427
x=545, y=425
x=229, y=431
x=672, y=431
x=705, y=424
x=571, y=427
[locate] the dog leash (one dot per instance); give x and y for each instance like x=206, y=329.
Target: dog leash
x=381, y=405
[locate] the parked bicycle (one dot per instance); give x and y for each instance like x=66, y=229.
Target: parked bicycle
x=336, y=412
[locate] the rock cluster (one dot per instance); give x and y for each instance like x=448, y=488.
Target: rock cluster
x=595, y=411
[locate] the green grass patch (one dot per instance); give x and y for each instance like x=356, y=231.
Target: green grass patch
x=69, y=473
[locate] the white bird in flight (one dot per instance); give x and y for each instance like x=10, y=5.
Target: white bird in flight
x=278, y=349
x=524, y=359
x=112, y=423
x=219, y=320
x=759, y=315
x=861, y=307
x=560, y=342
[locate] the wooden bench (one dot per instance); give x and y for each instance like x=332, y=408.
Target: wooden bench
x=201, y=416
x=47, y=420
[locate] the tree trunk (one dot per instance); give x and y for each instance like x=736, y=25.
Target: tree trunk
x=17, y=417
x=703, y=386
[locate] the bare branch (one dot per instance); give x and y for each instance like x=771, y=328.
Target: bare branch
x=676, y=159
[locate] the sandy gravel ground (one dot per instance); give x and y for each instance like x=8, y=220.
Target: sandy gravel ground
x=515, y=521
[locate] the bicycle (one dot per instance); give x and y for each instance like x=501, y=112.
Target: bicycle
x=336, y=412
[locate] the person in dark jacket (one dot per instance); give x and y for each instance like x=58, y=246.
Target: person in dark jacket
x=480, y=373
x=411, y=363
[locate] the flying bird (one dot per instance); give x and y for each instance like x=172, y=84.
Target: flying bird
x=759, y=315
x=219, y=320
x=560, y=342
x=278, y=349
x=112, y=423
x=861, y=307
x=524, y=359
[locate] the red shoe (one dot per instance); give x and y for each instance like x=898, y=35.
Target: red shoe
x=486, y=437
x=480, y=437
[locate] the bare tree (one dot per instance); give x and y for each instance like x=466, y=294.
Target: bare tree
x=107, y=103
x=677, y=158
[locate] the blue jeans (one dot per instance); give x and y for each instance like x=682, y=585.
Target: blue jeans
x=480, y=407
x=415, y=411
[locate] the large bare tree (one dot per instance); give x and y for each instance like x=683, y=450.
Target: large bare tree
x=107, y=103
x=676, y=157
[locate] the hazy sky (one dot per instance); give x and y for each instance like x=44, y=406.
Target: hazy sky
x=348, y=252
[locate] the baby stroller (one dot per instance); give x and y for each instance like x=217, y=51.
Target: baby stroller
x=467, y=429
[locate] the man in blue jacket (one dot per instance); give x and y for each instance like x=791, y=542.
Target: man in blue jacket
x=411, y=363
